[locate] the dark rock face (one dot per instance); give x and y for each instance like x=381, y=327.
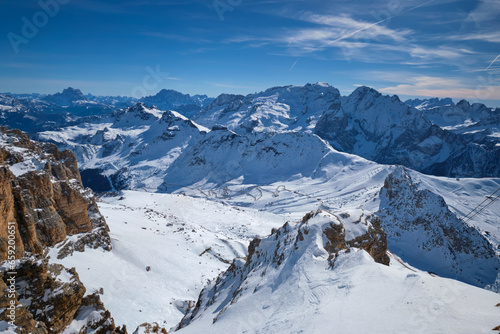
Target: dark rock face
x=168, y=99
x=49, y=298
x=386, y=130
x=66, y=98
x=423, y=231
x=43, y=199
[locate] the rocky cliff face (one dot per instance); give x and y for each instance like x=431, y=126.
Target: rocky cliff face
x=49, y=298
x=386, y=130
x=423, y=231
x=43, y=200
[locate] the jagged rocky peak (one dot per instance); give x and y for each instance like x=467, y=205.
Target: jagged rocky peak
x=363, y=91
x=368, y=116
x=49, y=298
x=293, y=254
x=43, y=197
x=281, y=108
x=138, y=111
x=423, y=231
x=319, y=94
x=66, y=98
x=173, y=120
x=445, y=113
x=139, y=107
x=430, y=103
x=463, y=104
x=384, y=129
x=150, y=328
x=226, y=99
x=365, y=100
x=171, y=99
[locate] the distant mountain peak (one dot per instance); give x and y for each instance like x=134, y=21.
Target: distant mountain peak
x=169, y=99
x=66, y=98
x=365, y=90
x=434, y=102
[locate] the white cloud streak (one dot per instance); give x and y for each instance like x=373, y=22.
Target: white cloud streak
x=444, y=87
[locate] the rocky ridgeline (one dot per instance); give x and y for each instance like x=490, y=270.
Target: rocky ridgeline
x=43, y=200
x=319, y=236
x=423, y=231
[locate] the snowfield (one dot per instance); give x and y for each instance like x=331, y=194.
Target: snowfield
x=184, y=241
x=190, y=237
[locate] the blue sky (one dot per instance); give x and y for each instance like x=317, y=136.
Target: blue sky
x=441, y=48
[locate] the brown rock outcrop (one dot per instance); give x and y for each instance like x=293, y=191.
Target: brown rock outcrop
x=42, y=199
x=148, y=328
x=373, y=241
x=48, y=298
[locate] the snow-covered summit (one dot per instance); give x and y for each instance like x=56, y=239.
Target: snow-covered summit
x=430, y=103
x=276, y=109
x=139, y=111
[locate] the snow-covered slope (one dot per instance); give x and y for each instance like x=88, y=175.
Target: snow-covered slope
x=257, y=158
x=133, y=147
x=293, y=281
x=276, y=109
x=184, y=241
x=169, y=232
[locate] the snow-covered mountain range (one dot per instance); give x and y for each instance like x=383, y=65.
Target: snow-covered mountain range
x=282, y=208
x=416, y=134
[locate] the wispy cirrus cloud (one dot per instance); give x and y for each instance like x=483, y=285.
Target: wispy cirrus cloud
x=356, y=39
x=340, y=27
x=432, y=86
x=492, y=37
x=486, y=10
